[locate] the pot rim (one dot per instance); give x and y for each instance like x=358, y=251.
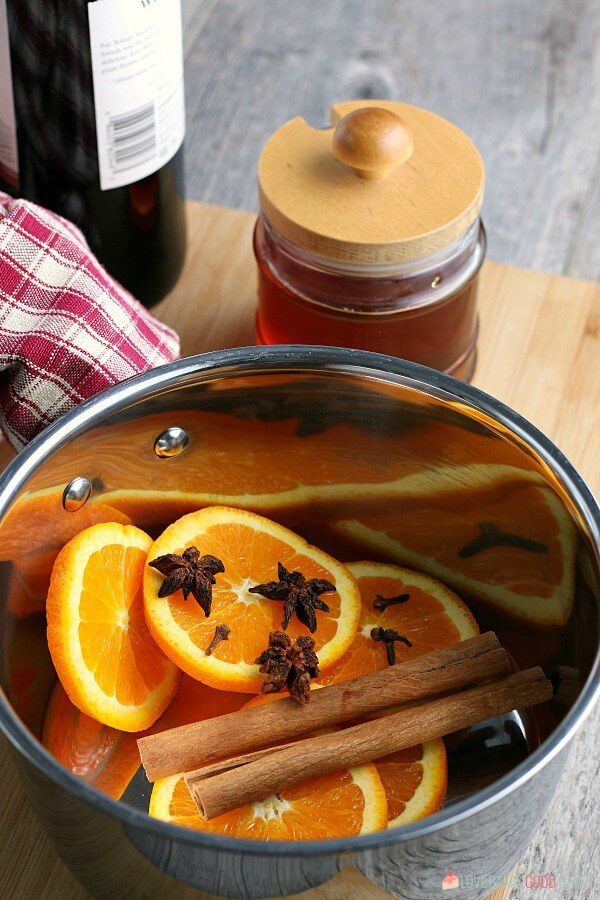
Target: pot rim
x=322, y=359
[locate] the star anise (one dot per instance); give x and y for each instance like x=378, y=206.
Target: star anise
x=299, y=595
x=389, y=636
x=289, y=665
x=193, y=573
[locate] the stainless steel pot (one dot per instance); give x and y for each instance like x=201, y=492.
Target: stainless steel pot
x=422, y=448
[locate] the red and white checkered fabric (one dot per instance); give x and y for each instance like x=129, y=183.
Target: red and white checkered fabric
x=67, y=329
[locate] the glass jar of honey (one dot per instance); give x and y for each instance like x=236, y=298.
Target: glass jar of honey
x=369, y=235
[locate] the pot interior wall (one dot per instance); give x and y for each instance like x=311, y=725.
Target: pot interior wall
x=364, y=467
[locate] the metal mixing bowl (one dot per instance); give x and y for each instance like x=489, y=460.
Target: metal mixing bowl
x=396, y=440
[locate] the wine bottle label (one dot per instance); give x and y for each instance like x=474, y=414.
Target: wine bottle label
x=9, y=157
x=137, y=70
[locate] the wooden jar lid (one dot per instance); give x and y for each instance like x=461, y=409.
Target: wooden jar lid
x=389, y=183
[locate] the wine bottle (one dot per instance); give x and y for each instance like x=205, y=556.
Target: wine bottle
x=92, y=124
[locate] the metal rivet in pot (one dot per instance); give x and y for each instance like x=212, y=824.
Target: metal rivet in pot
x=171, y=442
x=76, y=494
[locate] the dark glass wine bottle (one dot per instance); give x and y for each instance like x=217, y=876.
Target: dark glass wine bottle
x=98, y=121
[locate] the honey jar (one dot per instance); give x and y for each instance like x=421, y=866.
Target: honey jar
x=369, y=235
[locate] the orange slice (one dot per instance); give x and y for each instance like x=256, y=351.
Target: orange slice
x=38, y=521
x=107, y=758
x=27, y=670
x=259, y=699
x=337, y=805
x=256, y=462
x=414, y=780
x=195, y=701
x=103, y=756
x=98, y=639
x=29, y=582
x=433, y=617
x=335, y=461
x=438, y=533
x=250, y=547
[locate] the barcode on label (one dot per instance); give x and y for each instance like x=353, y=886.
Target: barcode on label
x=131, y=138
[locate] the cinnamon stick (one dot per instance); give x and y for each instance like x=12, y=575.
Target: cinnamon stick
x=240, y=782
x=449, y=668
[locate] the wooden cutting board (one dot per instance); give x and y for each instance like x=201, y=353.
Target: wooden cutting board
x=539, y=352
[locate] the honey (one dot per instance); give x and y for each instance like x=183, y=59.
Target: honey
x=369, y=236
x=427, y=315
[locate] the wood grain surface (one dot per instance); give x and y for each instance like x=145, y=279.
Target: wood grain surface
x=521, y=78
x=540, y=353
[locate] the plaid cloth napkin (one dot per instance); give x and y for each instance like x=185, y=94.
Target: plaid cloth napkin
x=67, y=329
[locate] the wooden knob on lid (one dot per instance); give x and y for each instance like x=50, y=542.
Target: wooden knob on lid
x=348, y=192
x=372, y=141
